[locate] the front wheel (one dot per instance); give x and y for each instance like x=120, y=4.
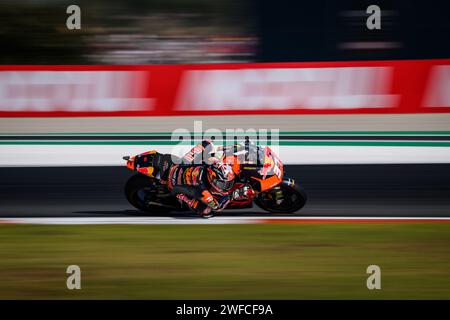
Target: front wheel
x=282, y=199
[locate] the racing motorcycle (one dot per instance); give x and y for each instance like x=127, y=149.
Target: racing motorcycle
x=255, y=166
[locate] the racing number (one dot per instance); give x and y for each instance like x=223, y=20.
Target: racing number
x=276, y=167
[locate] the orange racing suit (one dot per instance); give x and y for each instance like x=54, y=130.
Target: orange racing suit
x=188, y=180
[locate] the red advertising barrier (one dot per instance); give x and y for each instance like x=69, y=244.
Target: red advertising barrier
x=405, y=86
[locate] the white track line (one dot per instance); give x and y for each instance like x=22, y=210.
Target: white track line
x=111, y=155
x=215, y=220
x=125, y=220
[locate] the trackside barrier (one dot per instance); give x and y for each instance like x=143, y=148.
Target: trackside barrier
x=363, y=87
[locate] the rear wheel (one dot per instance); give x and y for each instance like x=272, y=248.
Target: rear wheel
x=283, y=199
x=143, y=194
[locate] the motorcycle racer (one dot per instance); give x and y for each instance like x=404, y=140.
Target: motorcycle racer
x=200, y=180
x=203, y=181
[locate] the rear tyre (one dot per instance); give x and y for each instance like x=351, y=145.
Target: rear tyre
x=137, y=191
x=294, y=198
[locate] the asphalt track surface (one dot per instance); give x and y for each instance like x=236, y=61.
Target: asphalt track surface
x=334, y=190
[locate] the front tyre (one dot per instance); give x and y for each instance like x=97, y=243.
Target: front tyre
x=282, y=199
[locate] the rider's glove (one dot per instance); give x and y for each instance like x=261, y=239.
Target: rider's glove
x=245, y=192
x=196, y=206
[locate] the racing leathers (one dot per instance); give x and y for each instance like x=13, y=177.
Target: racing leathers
x=189, y=184
x=190, y=180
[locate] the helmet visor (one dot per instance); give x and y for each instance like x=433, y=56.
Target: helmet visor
x=223, y=185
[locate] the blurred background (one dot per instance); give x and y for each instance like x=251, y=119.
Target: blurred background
x=365, y=131
x=203, y=31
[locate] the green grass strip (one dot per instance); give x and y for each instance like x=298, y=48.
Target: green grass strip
x=304, y=261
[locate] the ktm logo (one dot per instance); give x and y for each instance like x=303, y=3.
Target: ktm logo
x=188, y=175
